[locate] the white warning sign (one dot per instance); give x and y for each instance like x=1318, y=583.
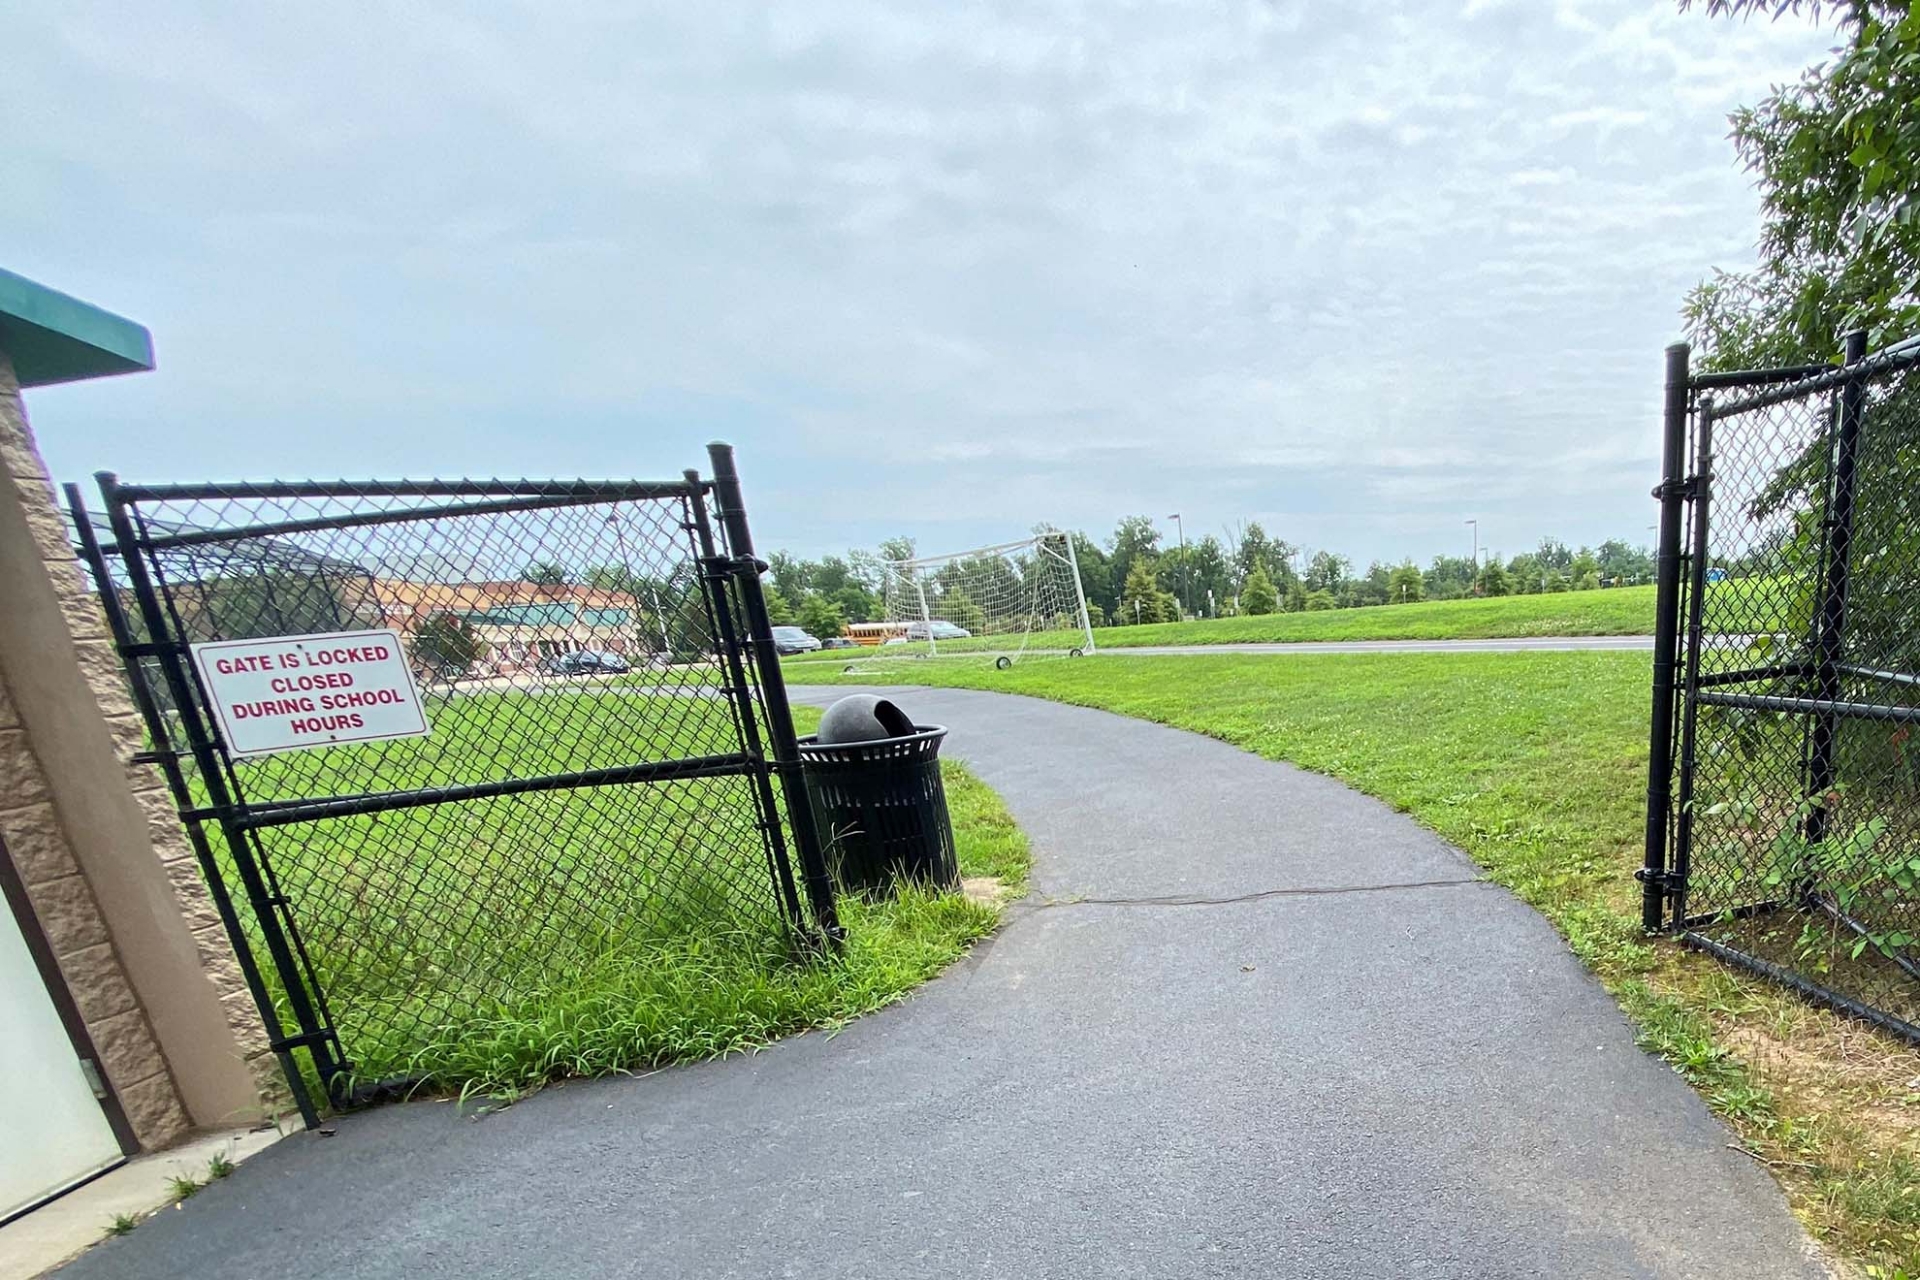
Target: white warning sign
x=285, y=693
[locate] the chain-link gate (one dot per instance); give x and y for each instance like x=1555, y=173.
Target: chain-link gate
x=608, y=768
x=1783, y=815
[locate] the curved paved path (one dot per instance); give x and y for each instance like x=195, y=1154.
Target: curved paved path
x=1211, y=1072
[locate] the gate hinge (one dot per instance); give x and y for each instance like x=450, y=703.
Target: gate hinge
x=1688, y=488
x=1670, y=884
x=733, y=566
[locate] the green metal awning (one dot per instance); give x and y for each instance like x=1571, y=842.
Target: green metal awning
x=54, y=338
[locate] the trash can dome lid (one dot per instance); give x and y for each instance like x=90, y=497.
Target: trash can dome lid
x=863, y=717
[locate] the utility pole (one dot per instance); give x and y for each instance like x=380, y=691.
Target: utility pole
x=1474, y=586
x=1175, y=517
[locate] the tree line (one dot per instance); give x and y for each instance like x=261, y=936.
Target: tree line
x=1134, y=576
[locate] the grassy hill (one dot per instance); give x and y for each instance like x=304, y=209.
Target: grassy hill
x=1623, y=611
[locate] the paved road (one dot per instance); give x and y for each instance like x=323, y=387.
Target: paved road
x=1516, y=644
x=1251, y=1024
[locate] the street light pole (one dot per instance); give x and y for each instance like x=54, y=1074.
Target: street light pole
x=1175, y=517
x=1474, y=585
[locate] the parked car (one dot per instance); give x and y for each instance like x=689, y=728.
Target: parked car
x=940, y=629
x=788, y=640
x=584, y=662
x=838, y=642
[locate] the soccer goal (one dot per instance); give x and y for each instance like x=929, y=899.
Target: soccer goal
x=1007, y=602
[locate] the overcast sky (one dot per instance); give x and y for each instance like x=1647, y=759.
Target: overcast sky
x=945, y=270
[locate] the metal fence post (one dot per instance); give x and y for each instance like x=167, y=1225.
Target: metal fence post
x=718, y=576
x=1696, y=633
x=1666, y=625
x=1831, y=623
x=784, y=742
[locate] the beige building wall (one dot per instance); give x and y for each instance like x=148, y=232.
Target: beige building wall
x=96, y=841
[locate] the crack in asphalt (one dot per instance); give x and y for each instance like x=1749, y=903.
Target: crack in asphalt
x=1047, y=904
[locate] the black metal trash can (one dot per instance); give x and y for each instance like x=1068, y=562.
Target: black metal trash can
x=881, y=810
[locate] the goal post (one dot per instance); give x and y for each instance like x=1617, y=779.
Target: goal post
x=1007, y=602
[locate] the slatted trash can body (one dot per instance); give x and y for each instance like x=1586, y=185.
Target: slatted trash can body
x=881, y=810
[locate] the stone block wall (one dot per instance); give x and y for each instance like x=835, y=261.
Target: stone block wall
x=95, y=838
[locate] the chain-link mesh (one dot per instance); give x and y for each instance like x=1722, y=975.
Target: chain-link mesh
x=596, y=779
x=1797, y=828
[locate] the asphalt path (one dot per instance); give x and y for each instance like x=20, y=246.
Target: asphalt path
x=1250, y=1023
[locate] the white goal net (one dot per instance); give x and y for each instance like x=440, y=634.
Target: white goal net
x=1008, y=602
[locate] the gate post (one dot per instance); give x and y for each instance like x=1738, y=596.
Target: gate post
x=208, y=760
x=1666, y=626
x=1831, y=623
x=717, y=576
x=784, y=742
x=1702, y=485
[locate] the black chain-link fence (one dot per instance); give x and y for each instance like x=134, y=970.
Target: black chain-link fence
x=1790, y=839
x=606, y=768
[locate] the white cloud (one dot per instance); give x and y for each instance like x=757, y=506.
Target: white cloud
x=1335, y=265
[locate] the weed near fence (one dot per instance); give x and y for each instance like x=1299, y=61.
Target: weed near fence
x=618, y=947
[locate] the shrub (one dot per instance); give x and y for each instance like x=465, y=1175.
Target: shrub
x=446, y=645
x=1258, y=596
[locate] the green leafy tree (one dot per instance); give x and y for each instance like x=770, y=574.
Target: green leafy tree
x=856, y=603
x=1449, y=578
x=821, y=617
x=1326, y=571
x=1134, y=541
x=1258, y=596
x=957, y=607
x=780, y=611
x=1375, y=588
x=829, y=574
x=1621, y=564
x=1142, y=600
x=544, y=573
x=1321, y=600
x=1837, y=163
x=900, y=548
x=1493, y=580
x=1096, y=574
x=1254, y=550
x=447, y=645
x=789, y=578
x=1406, y=584
x=611, y=577
x=1526, y=576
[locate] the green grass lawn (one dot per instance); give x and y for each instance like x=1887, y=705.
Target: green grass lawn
x=1535, y=764
x=1621, y=611
x=490, y=945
